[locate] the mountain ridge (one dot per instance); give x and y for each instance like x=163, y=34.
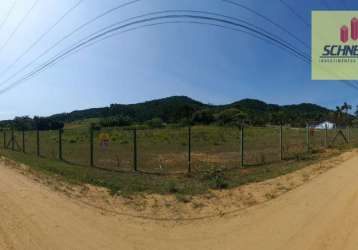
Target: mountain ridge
x=174, y=108
x=183, y=109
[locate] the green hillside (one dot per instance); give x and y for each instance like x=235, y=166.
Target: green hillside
x=182, y=109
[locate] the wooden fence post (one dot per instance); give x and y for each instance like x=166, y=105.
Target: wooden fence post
x=348, y=134
x=281, y=142
x=308, y=137
x=189, y=149
x=242, y=134
x=91, y=146
x=12, y=139
x=5, y=146
x=60, y=131
x=38, y=142
x=326, y=136
x=135, y=153
x=23, y=141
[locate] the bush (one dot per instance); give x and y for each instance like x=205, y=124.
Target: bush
x=231, y=116
x=205, y=116
x=155, y=123
x=172, y=188
x=116, y=121
x=216, y=177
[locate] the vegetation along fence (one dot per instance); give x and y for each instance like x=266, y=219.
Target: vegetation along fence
x=176, y=150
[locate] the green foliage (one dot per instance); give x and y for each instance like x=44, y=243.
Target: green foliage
x=170, y=110
x=342, y=116
x=182, y=110
x=155, y=123
x=231, y=116
x=43, y=123
x=216, y=178
x=173, y=187
x=23, y=123
x=115, y=121
x=205, y=116
x=27, y=123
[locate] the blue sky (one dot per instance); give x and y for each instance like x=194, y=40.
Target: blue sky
x=209, y=64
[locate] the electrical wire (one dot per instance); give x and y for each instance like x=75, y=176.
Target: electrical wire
x=295, y=13
x=352, y=84
x=269, y=20
x=7, y=15
x=43, y=35
x=73, y=32
x=107, y=32
x=63, y=54
x=18, y=26
x=142, y=16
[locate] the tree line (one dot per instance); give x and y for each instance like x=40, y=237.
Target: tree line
x=26, y=123
x=182, y=111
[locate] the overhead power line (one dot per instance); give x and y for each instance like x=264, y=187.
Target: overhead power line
x=302, y=19
x=292, y=10
x=19, y=25
x=51, y=28
x=2, y=24
x=268, y=20
x=70, y=34
x=295, y=13
x=351, y=84
x=98, y=36
x=48, y=50
x=192, y=16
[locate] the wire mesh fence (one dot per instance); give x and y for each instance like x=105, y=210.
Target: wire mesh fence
x=75, y=146
x=176, y=150
x=262, y=145
x=117, y=153
x=49, y=144
x=353, y=136
x=215, y=147
x=294, y=141
x=162, y=150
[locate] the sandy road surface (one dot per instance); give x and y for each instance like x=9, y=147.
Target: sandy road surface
x=322, y=214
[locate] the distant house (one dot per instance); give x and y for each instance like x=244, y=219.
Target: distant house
x=324, y=125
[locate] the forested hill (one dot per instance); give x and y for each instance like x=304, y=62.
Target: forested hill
x=171, y=109
x=177, y=108
x=182, y=110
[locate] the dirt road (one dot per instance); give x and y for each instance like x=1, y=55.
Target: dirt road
x=322, y=214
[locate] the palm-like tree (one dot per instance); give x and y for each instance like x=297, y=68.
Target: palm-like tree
x=356, y=113
x=338, y=115
x=346, y=107
x=342, y=114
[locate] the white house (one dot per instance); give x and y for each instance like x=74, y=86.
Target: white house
x=324, y=125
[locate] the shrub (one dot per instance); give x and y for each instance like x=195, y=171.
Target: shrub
x=172, y=188
x=155, y=123
x=116, y=121
x=231, y=116
x=216, y=178
x=205, y=116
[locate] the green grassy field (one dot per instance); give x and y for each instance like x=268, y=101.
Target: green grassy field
x=215, y=156
x=183, y=186
x=166, y=150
